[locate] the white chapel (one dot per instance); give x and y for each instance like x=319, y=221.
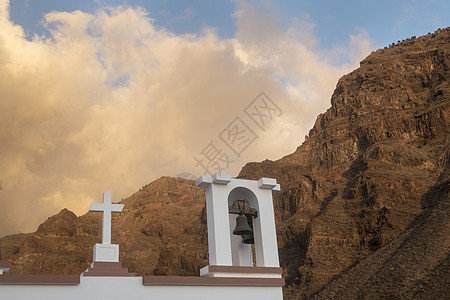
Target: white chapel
x=243, y=255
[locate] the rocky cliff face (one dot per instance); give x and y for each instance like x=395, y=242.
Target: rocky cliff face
x=364, y=207
x=369, y=178
x=161, y=231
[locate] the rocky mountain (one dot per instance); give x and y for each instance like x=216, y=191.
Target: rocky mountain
x=363, y=211
x=364, y=207
x=161, y=231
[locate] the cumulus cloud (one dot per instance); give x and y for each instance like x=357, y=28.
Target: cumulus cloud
x=108, y=101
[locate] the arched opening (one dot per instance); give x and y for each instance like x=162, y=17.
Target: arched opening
x=243, y=200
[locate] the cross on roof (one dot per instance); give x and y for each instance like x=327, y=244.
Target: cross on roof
x=107, y=208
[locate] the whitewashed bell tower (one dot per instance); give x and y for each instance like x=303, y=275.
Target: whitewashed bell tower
x=228, y=255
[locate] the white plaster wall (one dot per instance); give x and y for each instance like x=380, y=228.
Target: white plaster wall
x=131, y=288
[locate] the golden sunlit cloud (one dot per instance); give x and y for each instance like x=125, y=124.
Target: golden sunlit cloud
x=108, y=101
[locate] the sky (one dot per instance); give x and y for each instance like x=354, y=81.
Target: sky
x=111, y=95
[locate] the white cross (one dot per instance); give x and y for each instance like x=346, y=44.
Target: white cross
x=107, y=208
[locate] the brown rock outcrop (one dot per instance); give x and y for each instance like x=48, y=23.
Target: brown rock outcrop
x=363, y=178
x=162, y=231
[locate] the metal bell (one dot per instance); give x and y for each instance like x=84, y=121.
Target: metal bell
x=248, y=239
x=242, y=226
